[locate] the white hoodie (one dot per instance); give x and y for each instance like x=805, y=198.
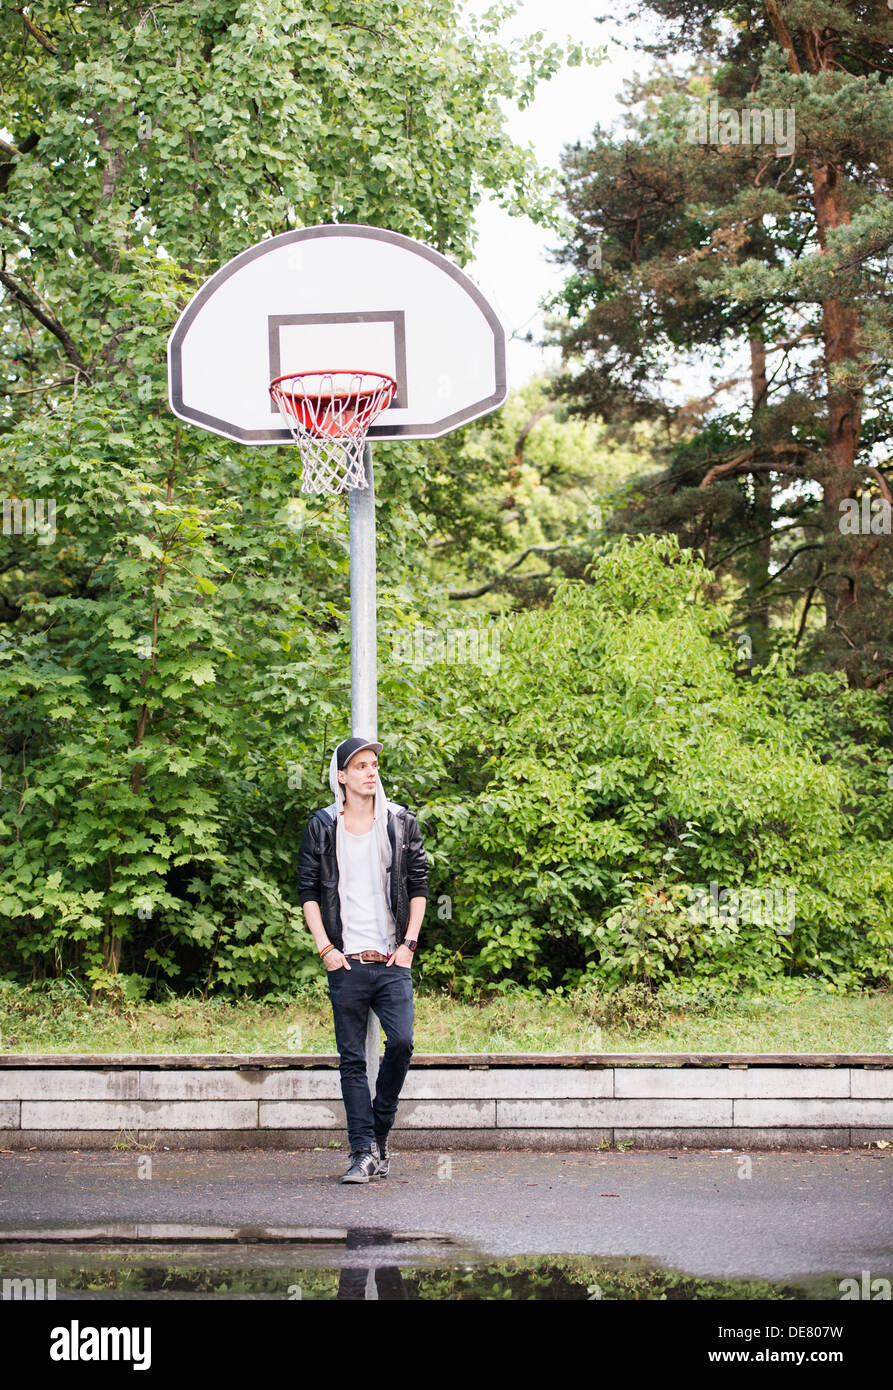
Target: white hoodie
x=380, y=824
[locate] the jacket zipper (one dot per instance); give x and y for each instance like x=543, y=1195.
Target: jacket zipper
x=398, y=846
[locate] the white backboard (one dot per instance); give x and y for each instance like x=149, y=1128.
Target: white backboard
x=337, y=297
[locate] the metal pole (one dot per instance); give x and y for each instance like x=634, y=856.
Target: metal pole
x=364, y=659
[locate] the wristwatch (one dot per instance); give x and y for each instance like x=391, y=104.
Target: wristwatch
x=411, y=944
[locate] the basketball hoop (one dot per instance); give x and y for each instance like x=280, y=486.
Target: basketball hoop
x=329, y=415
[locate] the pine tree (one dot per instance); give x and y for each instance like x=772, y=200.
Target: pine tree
x=748, y=209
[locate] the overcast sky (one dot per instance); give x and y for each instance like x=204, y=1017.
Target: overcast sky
x=512, y=264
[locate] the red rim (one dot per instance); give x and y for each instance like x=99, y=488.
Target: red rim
x=316, y=411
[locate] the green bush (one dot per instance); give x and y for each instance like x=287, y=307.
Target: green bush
x=614, y=767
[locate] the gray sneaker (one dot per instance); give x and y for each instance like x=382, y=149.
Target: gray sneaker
x=384, y=1158
x=363, y=1165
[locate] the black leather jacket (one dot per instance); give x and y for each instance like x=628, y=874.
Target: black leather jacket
x=318, y=870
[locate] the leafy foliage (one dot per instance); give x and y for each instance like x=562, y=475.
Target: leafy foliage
x=162, y=652
x=614, y=767
x=742, y=220
x=174, y=660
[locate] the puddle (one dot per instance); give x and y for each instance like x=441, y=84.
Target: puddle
x=354, y=1265
x=169, y=1233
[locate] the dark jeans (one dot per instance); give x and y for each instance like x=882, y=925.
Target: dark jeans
x=387, y=990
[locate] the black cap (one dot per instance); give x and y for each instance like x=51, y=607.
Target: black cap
x=346, y=750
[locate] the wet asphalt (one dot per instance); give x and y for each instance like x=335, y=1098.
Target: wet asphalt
x=770, y=1215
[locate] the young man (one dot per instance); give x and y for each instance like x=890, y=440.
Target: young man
x=363, y=885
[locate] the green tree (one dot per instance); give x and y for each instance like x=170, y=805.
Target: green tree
x=520, y=495
x=718, y=239
x=604, y=767
x=174, y=658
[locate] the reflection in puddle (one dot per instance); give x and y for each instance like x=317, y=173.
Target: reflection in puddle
x=362, y=1265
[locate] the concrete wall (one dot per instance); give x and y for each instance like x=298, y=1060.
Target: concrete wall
x=544, y=1101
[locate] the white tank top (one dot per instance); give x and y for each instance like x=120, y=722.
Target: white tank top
x=363, y=916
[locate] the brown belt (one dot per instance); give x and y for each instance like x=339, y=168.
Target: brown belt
x=368, y=955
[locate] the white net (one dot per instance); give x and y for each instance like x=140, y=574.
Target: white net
x=329, y=414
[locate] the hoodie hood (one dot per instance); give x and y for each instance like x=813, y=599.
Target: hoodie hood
x=383, y=802
x=380, y=823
